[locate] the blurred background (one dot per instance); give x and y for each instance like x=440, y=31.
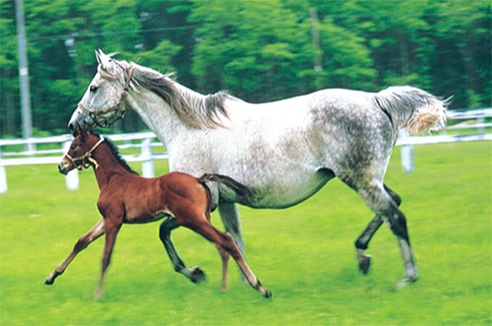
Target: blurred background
x=257, y=50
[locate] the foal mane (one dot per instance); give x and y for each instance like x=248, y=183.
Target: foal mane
x=195, y=111
x=114, y=149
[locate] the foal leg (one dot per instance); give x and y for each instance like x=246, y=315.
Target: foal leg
x=195, y=274
x=112, y=229
x=226, y=242
x=362, y=241
x=380, y=201
x=94, y=233
x=229, y=214
x=225, y=261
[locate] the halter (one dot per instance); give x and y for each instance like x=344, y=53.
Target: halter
x=120, y=106
x=86, y=159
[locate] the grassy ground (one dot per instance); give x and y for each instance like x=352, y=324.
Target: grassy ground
x=304, y=254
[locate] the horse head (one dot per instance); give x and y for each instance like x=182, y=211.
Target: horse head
x=104, y=101
x=79, y=154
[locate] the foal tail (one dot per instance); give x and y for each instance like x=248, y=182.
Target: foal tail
x=412, y=108
x=238, y=188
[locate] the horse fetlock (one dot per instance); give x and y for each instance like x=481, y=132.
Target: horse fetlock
x=360, y=244
x=412, y=274
x=265, y=292
x=51, y=278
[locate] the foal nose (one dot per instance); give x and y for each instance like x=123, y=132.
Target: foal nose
x=62, y=168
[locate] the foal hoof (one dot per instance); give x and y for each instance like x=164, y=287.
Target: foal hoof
x=364, y=263
x=197, y=275
x=268, y=294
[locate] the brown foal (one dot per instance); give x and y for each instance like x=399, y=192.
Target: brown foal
x=126, y=197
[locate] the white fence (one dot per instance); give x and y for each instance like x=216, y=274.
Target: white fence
x=149, y=141
x=473, y=119
x=146, y=156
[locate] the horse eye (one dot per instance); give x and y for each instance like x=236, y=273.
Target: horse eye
x=93, y=88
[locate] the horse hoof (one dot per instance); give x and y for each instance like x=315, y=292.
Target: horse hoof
x=364, y=263
x=405, y=281
x=268, y=294
x=197, y=275
x=48, y=281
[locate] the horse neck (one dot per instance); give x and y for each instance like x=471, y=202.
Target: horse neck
x=158, y=116
x=108, y=166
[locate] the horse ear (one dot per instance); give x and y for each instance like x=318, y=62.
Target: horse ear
x=86, y=128
x=98, y=57
x=104, y=60
x=78, y=130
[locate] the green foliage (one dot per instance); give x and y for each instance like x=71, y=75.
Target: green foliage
x=257, y=50
x=304, y=254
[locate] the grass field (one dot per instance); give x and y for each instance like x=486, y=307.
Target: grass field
x=304, y=254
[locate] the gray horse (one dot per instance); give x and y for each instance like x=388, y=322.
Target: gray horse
x=284, y=151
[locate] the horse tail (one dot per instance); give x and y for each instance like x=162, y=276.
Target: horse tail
x=412, y=108
x=209, y=199
x=238, y=188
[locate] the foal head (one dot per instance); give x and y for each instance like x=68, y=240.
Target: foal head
x=80, y=152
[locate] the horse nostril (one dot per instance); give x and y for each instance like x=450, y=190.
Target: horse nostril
x=62, y=168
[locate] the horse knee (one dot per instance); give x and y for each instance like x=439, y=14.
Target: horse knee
x=398, y=225
x=80, y=245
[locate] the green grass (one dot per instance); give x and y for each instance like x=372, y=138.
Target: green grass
x=304, y=254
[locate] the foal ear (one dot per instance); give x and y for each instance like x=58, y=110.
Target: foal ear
x=86, y=129
x=78, y=130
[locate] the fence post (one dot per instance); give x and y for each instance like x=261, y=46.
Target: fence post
x=147, y=162
x=481, y=120
x=3, y=176
x=406, y=153
x=72, y=178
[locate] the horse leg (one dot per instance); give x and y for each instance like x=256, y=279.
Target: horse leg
x=363, y=240
x=225, y=260
x=94, y=233
x=381, y=202
x=229, y=214
x=195, y=274
x=112, y=229
x=227, y=243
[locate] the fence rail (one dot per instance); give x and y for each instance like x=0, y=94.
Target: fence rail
x=149, y=141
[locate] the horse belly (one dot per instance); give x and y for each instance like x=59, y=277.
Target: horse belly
x=147, y=218
x=287, y=191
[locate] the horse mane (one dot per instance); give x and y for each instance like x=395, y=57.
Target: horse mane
x=195, y=111
x=114, y=149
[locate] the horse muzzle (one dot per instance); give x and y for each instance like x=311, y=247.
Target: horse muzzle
x=79, y=117
x=64, y=167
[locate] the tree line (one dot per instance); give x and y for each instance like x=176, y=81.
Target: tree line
x=257, y=50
